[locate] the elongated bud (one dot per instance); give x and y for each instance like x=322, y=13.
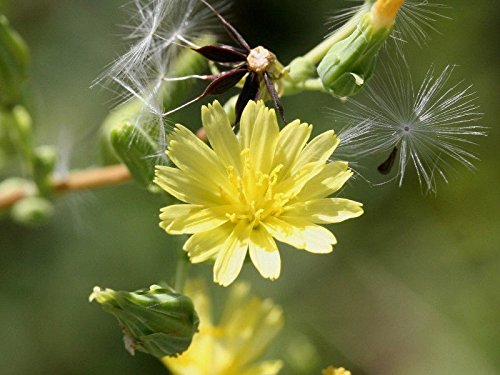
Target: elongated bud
x=156, y=321
x=138, y=151
x=44, y=162
x=17, y=129
x=14, y=58
x=351, y=62
x=384, y=13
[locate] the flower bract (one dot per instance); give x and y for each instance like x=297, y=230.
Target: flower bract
x=244, y=192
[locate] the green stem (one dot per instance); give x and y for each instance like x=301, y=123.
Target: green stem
x=317, y=53
x=181, y=271
x=313, y=84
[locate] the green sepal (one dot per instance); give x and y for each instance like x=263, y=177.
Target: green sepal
x=14, y=60
x=138, y=151
x=351, y=62
x=156, y=321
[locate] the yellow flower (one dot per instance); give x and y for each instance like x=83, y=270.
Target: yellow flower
x=246, y=327
x=248, y=190
x=335, y=371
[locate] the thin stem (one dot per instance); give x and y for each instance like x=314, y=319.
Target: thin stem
x=93, y=178
x=313, y=84
x=10, y=198
x=181, y=271
x=80, y=180
x=317, y=53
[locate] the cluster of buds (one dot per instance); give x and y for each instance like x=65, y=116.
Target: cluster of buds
x=16, y=134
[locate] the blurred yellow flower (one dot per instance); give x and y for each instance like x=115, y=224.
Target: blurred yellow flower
x=246, y=327
x=335, y=371
x=248, y=190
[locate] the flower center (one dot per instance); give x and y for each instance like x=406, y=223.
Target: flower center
x=257, y=198
x=260, y=60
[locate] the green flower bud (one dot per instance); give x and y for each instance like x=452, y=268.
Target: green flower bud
x=16, y=132
x=351, y=62
x=156, y=321
x=125, y=113
x=14, y=58
x=23, y=123
x=44, y=162
x=135, y=148
x=32, y=211
x=172, y=94
x=12, y=184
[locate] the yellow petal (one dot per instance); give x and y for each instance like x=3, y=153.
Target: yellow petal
x=264, y=253
x=196, y=159
x=324, y=211
x=264, y=139
x=248, y=314
x=247, y=122
x=328, y=181
x=185, y=188
x=302, y=234
x=170, y=213
x=205, y=245
x=292, y=185
x=198, y=220
x=239, y=296
x=230, y=259
x=221, y=135
x=197, y=290
x=319, y=240
x=264, y=368
x=291, y=141
x=284, y=232
x=318, y=150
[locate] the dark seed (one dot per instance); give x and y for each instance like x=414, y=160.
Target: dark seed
x=221, y=54
x=224, y=82
x=249, y=92
x=386, y=166
x=275, y=96
x=233, y=33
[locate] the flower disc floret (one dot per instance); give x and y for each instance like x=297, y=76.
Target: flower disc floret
x=243, y=192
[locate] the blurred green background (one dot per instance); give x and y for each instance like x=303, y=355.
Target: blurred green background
x=413, y=287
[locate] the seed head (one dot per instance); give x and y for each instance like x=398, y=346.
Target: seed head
x=430, y=127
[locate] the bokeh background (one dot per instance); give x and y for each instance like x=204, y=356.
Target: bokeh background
x=413, y=287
